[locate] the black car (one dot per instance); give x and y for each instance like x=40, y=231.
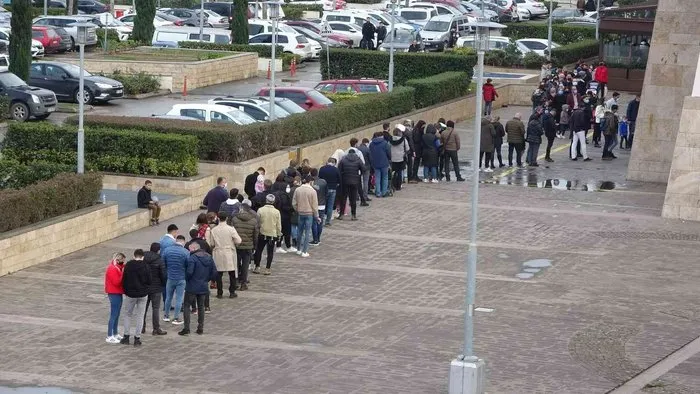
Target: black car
x=63, y=79
x=49, y=3
x=92, y=7
x=25, y=100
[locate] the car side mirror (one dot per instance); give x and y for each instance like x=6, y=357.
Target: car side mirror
x=309, y=103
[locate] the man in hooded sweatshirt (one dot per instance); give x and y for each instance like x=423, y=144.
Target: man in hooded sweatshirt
x=136, y=281
x=232, y=205
x=247, y=224
x=351, y=169
x=380, y=155
x=155, y=290
x=200, y=270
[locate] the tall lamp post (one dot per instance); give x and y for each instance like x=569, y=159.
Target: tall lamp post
x=274, y=12
x=467, y=370
x=81, y=40
x=549, y=33
x=597, y=21
x=391, y=46
x=201, y=20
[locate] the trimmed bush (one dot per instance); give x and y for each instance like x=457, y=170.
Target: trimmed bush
x=353, y=63
x=261, y=50
x=573, y=52
x=15, y=175
x=296, y=11
x=561, y=34
x=439, y=88
x=123, y=150
x=47, y=199
x=137, y=83
x=533, y=60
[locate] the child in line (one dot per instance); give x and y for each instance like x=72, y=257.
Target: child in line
x=623, y=130
x=563, y=121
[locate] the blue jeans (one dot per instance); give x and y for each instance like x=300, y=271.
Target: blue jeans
x=330, y=205
x=178, y=288
x=317, y=228
x=429, y=172
x=115, y=307
x=532, y=150
x=381, y=181
x=304, y=232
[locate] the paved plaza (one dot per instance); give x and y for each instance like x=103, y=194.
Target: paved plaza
x=378, y=307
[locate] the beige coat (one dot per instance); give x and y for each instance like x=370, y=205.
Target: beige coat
x=223, y=240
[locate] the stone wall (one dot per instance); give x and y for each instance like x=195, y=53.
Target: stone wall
x=195, y=187
x=670, y=71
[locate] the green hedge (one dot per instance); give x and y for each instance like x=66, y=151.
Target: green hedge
x=39, y=11
x=561, y=34
x=353, y=63
x=533, y=60
x=136, y=83
x=113, y=150
x=220, y=142
x=262, y=50
x=296, y=11
x=47, y=199
x=439, y=88
x=15, y=175
x=573, y=52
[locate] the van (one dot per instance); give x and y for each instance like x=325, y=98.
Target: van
x=419, y=16
x=169, y=37
x=436, y=32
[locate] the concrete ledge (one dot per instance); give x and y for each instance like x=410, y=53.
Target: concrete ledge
x=195, y=187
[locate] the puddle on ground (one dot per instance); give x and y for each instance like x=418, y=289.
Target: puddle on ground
x=35, y=390
x=533, y=180
x=531, y=268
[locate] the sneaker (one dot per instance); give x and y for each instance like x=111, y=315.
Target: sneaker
x=548, y=159
x=112, y=340
x=425, y=180
x=364, y=204
x=267, y=271
x=177, y=322
x=488, y=170
x=137, y=341
x=435, y=181
x=159, y=332
x=461, y=179
x=281, y=250
x=166, y=318
x=327, y=224
x=232, y=295
x=304, y=255
x=119, y=337
x=125, y=340
x=587, y=159
x=353, y=218
x=314, y=243
x=292, y=250
x=220, y=296
x=299, y=252
x=184, y=332
x=244, y=287
x=208, y=310
x=256, y=270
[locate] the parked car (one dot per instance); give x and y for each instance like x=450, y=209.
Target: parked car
x=63, y=79
x=66, y=43
x=504, y=14
x=212, y=113
x=37, y=47
x=48, y=38
x=309, y=99
x=176, y=117
x=476, y=11
x=67, y=22
x=224, y=8
x=171, y=18
x=402, y=40
x=49, y=3
x=170, y=36
x=565, y=14
x=157, y=21
x=353, y=31
x=332, y=42
x=315, y=28
x=352, y=85
x=107, y=21
x=327, y=4
x=188, y=17
x=26, y=101
x=495, y=42
x=215, y=20
x=258, y=26
x=291, y=42
x=420, y=16
x=92, y=7
x=286, y=104
x=257, y=109
x=537, y=45
x=436, y=32
x=534, y=8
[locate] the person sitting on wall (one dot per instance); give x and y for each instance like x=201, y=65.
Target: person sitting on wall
x=146, y=201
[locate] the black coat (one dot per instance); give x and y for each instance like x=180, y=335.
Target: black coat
x=351, y=169
x=158, y=274
x=578, y=121
x=549, y=125
x=143, y=197
x=249, y=186
x=430, y=153
x=417, y=138
x=534, y=131
x=136, y=279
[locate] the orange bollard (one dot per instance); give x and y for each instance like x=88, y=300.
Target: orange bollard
x=268, y=69
x=184, y=87
x=293, y=67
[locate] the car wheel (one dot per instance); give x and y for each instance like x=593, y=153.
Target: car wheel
x=19, y=111
x=88, y=97
x=42, y=117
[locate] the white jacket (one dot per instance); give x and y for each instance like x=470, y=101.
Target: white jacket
x=599, y=113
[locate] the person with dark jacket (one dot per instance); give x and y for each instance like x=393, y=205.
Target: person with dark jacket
x=155, y=290
x=534, y=138
x=259, y=199
x=417, y=138
x=550, y=131
x=249, y=185
x=200, y=270
x=232, y=205
x=578, y=127
x=515, y=129
x=283, y=203
x=137, y=282
x=331, y=175
x=381, y=34
x=610, y=125
x=145, y=200
x=364, y=149
x=632, y=113
x=488, y=134
x=399, y=149
x=411, y=154
x=498, y=141
x=247, y=224
x=430, y=154
x=216, y=196
x=350, y=168
x=380, y=156
x=368, y=31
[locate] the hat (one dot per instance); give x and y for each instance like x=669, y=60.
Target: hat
x=450, y=123
x=401, y=127
x=248, y=203
x=270, y=199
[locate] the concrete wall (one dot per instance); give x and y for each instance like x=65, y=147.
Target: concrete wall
x=195, y=187
x=670, y=71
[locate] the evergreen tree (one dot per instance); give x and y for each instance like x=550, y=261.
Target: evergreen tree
x=239, y=22
x=143, y=21
x=21, y=38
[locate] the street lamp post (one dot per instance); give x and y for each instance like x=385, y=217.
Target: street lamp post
x=467, y=370
x=274, y=13
x=597, y=21
x=391, y=46
x=549, y=33
x=81, y=40
x=201, y=20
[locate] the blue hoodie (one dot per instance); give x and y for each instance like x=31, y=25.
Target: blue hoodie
x=200, y=270
x=379, y=153
x=175, y=260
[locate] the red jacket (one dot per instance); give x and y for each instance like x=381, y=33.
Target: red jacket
x=601, y=74
x=113, y=278
x=490, y=93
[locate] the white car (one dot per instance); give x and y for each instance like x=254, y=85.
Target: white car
x=107, y=20
x=537, y=45
x=211, y=113
x=128, y=20
x=359, y=17
x=420, y=16
x=351, y=30
x=37, y=46
x=495, y=42
x=533, y=8
x=258, y=109
x=259, y=26
x=327, y=4
x=291, y=42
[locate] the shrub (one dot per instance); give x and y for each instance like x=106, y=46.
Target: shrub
x=561, y=34
x=137, y=83
x=573, y=52
x=239, y=22
x=15, y=175
x=533, y=60
x=296, y=11
x=115, y=150
x=352, y=63
x=287, y=60
x=143, y=21
x=438, y=88
x=47, y=199
x=261, y=50
x=111, y=35
x=39, y=11
x=4, y=107
x=21, y=43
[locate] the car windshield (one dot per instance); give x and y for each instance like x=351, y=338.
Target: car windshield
x=436, y=26
x=312, y=35
x=9, y=79
x=241, y=117
x=212, y=14
x=290, y=106
x=74, y=71
x=415, y=15
x=400, y=36
x=400, y=19
x=319, y=98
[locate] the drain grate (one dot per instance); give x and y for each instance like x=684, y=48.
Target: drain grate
x=642, y=235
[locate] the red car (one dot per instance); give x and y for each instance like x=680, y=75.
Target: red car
x=352, y=85
x=306, y=98
x=48, y=37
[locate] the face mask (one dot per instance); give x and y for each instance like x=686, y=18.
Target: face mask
x=120, y=262
x=560, y=92
x=225, y=185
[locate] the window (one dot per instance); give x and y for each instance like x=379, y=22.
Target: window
x=297, y=97
x=255, y=29
x=341, y=18
x=37, y=35
x=53, y=72
x=42, y=22
x=302, y=40
x=36, y=71
x=193, y=113
x=221, y=39
x=368, y=88
x=340, y=27
x=325, y=88
x=195, y=37
x=282, y=40
x=534, y=45
x=344, y=87
x=360, y=21
x=3, y=36
x=415, y=15
x=261, y=39
x=443, y=11
x=218, y=117
x=256, y=113
x=128, y=19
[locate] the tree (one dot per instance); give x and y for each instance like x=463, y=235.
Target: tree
x=143, y=21
x=21, y=38
x=239, y=22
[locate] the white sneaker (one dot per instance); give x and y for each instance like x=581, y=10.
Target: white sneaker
x=488, y=170
x=304, y=255
x=112, y=340
x=165, y=318
x=292, y=250
x=426, y=180
x=118, y=337
x=299, y=252
x=435, y=181
x=281, y=250
x=177, y=322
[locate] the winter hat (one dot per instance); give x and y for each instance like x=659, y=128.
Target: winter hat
x=401, y=127
x=270, y=199
x=248, y=203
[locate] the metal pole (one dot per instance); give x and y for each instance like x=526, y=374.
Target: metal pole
x=46, y=7
x=81, y=112
x=391, y=46
x=328, y=55
x=597, y=21
x=201, y=20
x=272, y=70
x=549, y=33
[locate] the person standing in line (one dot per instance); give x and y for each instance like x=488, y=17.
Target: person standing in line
x=145, y=200
x=364, y=148
x=200, y=270
x=250, y=180
x=410, y=155
x=305, y=202
x=380, y=156
x=350, y=169
x=399, y=149
x=632, y=113
x=441, y=127
x=623, y=133
x=451, y=142
x=175, y=260
x=331, y=175
x=247, y=224
x=488, y=133
x=283, y=203
x=601, y=76
x=223, y=240
x=155, y=290
x=259, y=199
x=613, y=100
x=563, y=121
x=610, y=126
x=430, y=154
x=358, y=152
x=515, y=129
x=417, y=137
x=490, y=95
x=550, y=131
x=270, y=231
x=578, y=128
x=115, y=291
x=598, y=114
x=321, y=190
x=497, y=142
x=168, y=239
x=534, y=138
x=136, y=281
x=232, y=205
x=216, y=196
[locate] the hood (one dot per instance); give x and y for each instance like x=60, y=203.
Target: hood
x=203, y=258
x=352, y=156
x=396, y=140
x=246, y=215
x=33, y=89
x=149, y=257
x=232, y=201
x=105, y=80
x=377, y=140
